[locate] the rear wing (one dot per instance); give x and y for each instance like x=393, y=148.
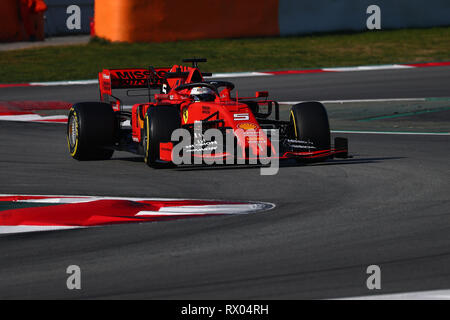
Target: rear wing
x=135, y=78
x=152, y=78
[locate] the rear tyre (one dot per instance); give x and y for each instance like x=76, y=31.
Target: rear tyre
x=90, y=131
x=309, y=122
x=160, y=122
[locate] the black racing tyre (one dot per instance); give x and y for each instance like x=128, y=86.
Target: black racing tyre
x=160, y=122
x=309, y=121
x=90, y=130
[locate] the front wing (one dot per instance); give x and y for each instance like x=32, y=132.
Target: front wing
x=340, y=150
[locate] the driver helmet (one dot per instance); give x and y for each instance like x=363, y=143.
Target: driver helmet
x=203, y=94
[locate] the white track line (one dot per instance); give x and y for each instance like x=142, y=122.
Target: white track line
x=238, y=75
x=393, y=132
x=206, y=209
x=33, y=117
x=64, y=83
x=360, y=100
x=419, y=295
x=25, y=228
x=369, y=68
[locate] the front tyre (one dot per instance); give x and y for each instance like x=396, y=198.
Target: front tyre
x=90, y=131
x=159, y=123
x=309, y=122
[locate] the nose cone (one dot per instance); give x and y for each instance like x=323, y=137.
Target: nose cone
x=254, y=141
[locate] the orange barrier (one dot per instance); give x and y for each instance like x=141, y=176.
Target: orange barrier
x=162, y=20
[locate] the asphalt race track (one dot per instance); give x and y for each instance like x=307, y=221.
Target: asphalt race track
x=389, y=205
x=403, y=83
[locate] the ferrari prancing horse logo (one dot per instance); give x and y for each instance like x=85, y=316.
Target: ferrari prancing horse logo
x=185, y=115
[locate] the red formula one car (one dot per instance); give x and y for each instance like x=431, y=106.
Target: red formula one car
x=185, y=100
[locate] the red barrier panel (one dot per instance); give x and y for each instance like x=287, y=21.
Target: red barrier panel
x=162, y=20
x=32, y=16
x=10, y=27
x=22, y=20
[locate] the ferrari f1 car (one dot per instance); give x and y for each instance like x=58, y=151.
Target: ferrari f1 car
x=186, y=100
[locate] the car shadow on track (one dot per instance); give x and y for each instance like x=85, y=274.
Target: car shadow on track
x=289, y=163
x=130, y=159
x=283, y=164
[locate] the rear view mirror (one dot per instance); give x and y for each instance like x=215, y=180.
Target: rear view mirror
x=262, y=94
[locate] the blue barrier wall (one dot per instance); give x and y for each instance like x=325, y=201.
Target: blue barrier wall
x=309, y=16
x=56, y=16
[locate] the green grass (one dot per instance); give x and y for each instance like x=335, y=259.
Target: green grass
x=325, y=50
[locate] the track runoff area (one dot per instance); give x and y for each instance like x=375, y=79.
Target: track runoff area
x=390, y=117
